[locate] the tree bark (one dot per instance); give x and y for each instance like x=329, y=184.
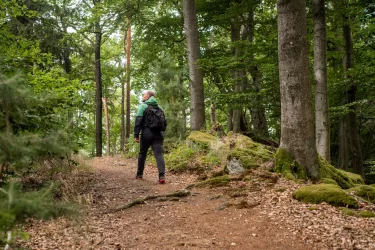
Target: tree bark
x=129, y=39
x=230, y=119
x=107, y=125
x=258, y=113
x=355, y=145
x=343, y=144
x=99, y=91
x=297, y=119
x=320, y=74
x=122, y=140
x=213, y=115
x=238, y=74
x=197, y=112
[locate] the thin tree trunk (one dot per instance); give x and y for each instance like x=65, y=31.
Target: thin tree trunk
x=355, y=146
x=230, y=120
x=129, y=39
x=107, y=126
x=258, y=113
x=99, y=91
x=343, y=144
x=213, y=115
x=122, y=140
x=320, y=74
x=183, y=132
x=197, y=112
x=238, y=74
x=297, y=118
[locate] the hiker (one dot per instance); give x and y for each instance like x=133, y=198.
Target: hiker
x=151, y=123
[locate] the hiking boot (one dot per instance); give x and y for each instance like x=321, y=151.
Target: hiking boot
x=139, y=177
x=162, y=179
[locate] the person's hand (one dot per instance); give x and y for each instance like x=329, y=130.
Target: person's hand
x=137, y=140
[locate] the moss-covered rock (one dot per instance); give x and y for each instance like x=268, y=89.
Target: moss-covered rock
x=332, y=194
x=287, y=166
x=249, y=153
x=181, y=159
x=201, y=139
x=344, y=179
x=365, y=191
x=214, y=182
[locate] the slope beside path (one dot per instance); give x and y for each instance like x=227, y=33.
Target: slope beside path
x=258, y=216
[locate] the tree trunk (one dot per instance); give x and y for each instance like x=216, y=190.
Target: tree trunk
x=213, y=115
x=320, y=74
x=122, y=141
x=258, y=113
x=355, y=145
x=297, y=119
x=129, y=40
x=230, y=119
x=238, y=74
x=343, y=144
x=99, y=91
x=107, y=126
x=197, y=112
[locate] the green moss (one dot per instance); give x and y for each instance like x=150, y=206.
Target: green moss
x=211, y=159
x=366, y=214
x=287, y=166
x=332, y=194
x=344, y=179
x=214, y=182
x=328, y=181
x=181, y=159
x=365, y=191
x=201, y=139
x=363, y=213
x=348, y=211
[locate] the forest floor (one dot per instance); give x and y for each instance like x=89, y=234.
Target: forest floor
x=256, y=214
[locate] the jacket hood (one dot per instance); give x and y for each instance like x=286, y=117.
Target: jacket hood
x=152, y=101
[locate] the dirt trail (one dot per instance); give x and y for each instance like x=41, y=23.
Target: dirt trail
x=203, y=220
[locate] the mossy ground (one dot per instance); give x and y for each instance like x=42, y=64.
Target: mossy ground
x=363, y=213
x=365, y=191
x=332, y=194
x=214, y=182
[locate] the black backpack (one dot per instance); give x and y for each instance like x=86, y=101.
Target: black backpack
x=155, y=119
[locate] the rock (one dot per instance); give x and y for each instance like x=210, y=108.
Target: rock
x=234, y=166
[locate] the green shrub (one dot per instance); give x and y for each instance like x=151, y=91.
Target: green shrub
x=16, y=206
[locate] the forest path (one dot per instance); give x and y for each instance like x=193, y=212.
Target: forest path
x=203, y=220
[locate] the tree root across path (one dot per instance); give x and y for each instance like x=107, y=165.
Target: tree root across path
x=178, y=193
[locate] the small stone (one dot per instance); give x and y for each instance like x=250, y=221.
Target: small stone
x=232, y=244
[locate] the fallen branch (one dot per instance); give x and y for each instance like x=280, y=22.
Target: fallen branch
x=178, y=193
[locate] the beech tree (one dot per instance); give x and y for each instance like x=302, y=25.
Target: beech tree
x=197, y=112
x=320, y=75
x=297, y=118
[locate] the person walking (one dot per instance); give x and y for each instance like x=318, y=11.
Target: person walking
x=150, y=122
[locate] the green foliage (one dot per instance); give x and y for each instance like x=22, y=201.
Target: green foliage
x=332, y=194
x=16, y=206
